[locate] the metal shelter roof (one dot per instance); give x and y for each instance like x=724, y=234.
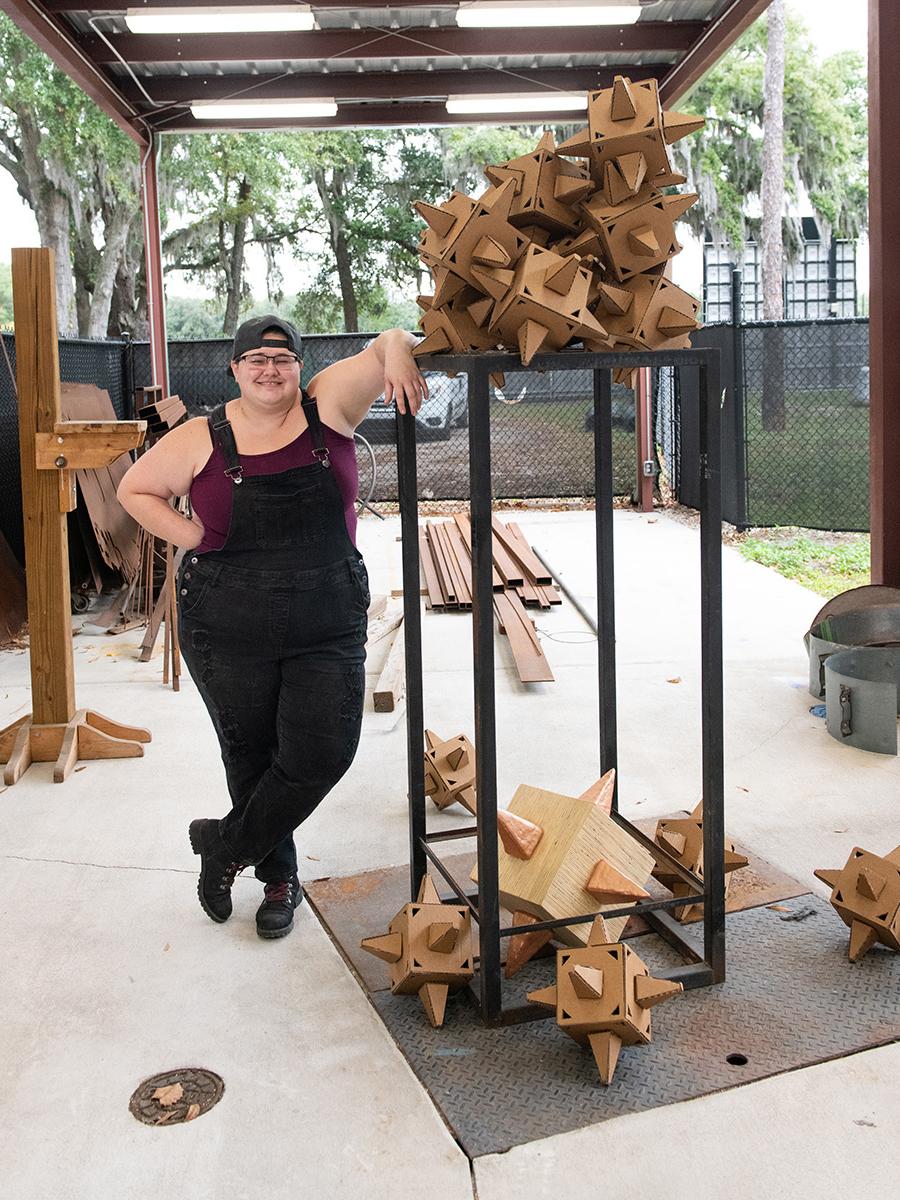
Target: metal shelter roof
x=383, y=64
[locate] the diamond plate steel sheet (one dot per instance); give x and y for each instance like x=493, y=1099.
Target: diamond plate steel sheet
x=791, y=999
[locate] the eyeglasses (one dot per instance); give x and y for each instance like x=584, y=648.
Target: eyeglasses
x=280, y=361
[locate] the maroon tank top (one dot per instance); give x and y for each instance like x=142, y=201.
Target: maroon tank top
x=211, y=491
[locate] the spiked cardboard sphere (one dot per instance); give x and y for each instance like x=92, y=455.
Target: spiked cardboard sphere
x=555, y=252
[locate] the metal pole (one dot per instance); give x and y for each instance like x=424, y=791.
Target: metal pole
x=156, y=300
x=412, y=638
x=711, y=668
x=738, y=386
x=606, y=614
x=643, y=426
x=485, y=714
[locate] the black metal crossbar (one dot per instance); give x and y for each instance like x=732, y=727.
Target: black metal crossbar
x=705, y=962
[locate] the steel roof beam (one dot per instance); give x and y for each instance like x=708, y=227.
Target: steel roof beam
x=644, y=37
x=386, y=85
x=719, y=35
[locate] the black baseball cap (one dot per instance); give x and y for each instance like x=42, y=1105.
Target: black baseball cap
x=251, y=335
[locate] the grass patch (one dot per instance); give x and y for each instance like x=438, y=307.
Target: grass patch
x=823, y=568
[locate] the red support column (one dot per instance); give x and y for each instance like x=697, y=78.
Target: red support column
x=156, y=299
x=884, y=285
x=643, y=432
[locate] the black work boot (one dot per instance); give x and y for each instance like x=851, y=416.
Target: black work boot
x=275, y=916
x=217, y=869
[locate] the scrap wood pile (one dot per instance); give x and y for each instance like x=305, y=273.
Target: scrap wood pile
x=520, y=581
x=161, y=413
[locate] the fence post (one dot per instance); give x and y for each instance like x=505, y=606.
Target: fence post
x=737, y=392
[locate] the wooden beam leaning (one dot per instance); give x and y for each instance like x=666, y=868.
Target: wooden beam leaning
x=54, y=729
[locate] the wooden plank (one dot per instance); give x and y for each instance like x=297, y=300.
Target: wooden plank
x=45, y=527
x=510, y=571
x=455, y=584
x=391, y=685
x=443, y=567
x=531, y=664
x=383, y=625
x=465, y=529
x=432, y=587
x=521, y=552
x=463, y=560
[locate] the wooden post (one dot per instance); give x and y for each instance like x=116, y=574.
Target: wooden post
x=51, y=450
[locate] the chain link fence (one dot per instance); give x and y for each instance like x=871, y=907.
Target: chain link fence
x=795, y=422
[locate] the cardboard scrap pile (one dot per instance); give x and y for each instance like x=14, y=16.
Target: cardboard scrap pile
x=556, y=251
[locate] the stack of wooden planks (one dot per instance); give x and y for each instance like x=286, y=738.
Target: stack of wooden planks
x=520, y=582
x=160, y=413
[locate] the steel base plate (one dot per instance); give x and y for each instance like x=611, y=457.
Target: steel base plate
x=792, y=998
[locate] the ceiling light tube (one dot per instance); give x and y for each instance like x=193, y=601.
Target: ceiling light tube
x=542, y=102
x=261, y=110
x=255, y=18
x=488, y=14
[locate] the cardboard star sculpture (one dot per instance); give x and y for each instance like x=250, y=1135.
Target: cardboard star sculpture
x=499, y=281
x=865, y=893
x=682, y=837
x=450, y=770
x=429, y=949
x=603, y=996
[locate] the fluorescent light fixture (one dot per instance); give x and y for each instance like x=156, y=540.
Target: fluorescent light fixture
x=548, y=101
x=261, y=110
x=490, y=14
x=255, y=18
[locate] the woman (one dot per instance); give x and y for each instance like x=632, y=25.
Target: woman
x=272, y=590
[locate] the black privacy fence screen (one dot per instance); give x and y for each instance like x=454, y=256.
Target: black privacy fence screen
x=795, y=422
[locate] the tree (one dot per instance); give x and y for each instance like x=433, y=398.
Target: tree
x=824, y=139
x=771, y=240
x=6, y=297
x=76, y=170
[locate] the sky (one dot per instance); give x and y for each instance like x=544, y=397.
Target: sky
x=834, y=25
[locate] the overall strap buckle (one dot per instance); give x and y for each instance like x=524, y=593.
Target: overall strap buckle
x=322, y=455
x=235, y=474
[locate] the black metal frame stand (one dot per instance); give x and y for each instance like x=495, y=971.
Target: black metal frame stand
x=705, y=962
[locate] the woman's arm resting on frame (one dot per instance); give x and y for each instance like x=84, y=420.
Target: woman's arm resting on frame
x=161, y=475
x=386, y=365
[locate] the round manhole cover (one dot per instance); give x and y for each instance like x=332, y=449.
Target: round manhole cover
x=176, y=1096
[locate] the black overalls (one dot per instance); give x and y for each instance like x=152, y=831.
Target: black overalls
x=273, y=629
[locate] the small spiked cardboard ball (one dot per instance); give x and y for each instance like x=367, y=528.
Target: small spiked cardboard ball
x=865, y=893
x=429, y=949
x=603, y=996
x=450, y=770
x=682, y=837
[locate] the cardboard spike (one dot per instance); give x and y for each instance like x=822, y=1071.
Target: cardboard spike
x=674, y=324
x=446, y=286
x=587, y=982
x=601, y=792
x=623, y=107
x=427, y=892
x=626, y=377
x=386, y=946
x=498, y=380
x=493, y=280
x=633, y=169
x=643, y=241
x=599, y=935
x=434, y=343
x=608, y=885
x=500, y=175
x=519, y=836
x=578, y=145
x=894, y=857
x=569, y=189
x=437, y=218
x=434, y=1001
x=560, y=276
x=677, y=206
x=828, y=877
x=546, y=142
x=605, y=1048
x=425, y=302
x=480, y=310
x=615, y=189
x=531, y=337
x=862, y=939
x=649, y=991
x=869, y=884
x=615, y=300
x=490, y=254
x=467, y=799
x=678, y=125
x=457, y=756
x=522, y=947
x=442, y=937
x=432, y=739
x=500, y=199
x=735, y=861
x=673, y=842
x=545, y=996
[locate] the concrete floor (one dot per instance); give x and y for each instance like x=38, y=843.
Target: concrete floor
x=112, y=973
